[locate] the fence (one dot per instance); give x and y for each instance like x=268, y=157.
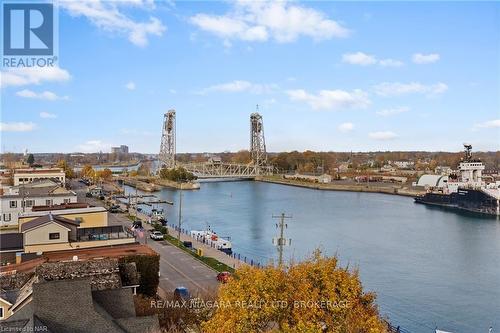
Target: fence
x=235, y=255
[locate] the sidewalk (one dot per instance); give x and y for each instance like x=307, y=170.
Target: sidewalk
x=207, y=250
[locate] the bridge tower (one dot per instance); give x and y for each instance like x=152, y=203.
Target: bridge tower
x=257, y=140
x=167, y=148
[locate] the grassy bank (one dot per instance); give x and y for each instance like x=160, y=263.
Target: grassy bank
x=211, y=262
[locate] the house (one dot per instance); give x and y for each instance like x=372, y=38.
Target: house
x=404, y=164
x=45, y=230
x=77, y=296
x=51, y=232
x=21, y=199
x=25, y=176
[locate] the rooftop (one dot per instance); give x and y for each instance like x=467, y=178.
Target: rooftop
x=49, y=218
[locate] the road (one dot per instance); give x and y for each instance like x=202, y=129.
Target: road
x=177, y=268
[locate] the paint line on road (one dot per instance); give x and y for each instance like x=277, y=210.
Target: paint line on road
x=184, y=275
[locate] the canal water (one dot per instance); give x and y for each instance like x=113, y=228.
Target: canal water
x=429, y=267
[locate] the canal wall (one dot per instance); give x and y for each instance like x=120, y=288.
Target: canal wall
x=370, y=188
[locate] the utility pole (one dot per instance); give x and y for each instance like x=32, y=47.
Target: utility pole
x=281, y=241
x=180, y=213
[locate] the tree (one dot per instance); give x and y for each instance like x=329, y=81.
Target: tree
x=105, y=174
x=88, y=172
x=316, y=295
x=66, y=168
x=177, y=174
x=30, y=160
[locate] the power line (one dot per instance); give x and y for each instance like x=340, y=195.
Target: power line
x=280, y=242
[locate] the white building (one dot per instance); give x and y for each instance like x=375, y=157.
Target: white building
x=404, y=164
x=22, y=198
x=25, y=176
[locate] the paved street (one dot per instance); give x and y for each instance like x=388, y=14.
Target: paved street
x=177, y=268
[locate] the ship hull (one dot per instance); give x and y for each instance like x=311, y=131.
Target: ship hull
x=470, y=200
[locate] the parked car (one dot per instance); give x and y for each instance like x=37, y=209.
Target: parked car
x=182, y=293
x=156, y=235
x=223, y=277
x=88, y=195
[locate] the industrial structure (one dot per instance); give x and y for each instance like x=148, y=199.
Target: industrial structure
x=214, y=168
x=167, y=149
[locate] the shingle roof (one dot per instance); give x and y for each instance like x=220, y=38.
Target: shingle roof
x=47, y=219
x=71, y=306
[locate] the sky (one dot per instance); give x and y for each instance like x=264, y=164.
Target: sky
x=326, y=76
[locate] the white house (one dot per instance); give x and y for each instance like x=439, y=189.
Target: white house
x=21, y=199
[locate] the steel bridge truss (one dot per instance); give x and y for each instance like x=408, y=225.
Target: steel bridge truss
x=226, y=170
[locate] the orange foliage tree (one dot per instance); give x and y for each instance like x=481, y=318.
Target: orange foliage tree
x=316, y=295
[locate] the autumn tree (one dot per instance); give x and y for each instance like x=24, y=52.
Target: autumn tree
x=316, y=295
x=88, y=172
x=66, y=168
x=105, y=174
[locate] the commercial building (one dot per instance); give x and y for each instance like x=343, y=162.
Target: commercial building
x=25, y=176
x=21, y=199
x=119, y=150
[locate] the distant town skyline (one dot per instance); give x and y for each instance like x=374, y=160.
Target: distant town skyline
x=327, y=76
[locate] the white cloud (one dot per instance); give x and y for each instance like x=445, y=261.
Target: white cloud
x=359, y=58
x=46, y=95
x=363, y=59
x=130, y=85
x=390, y=63
x=93, y=146
x=240, y=86
x=259, y=21
x=331, y=99
x=488, y=124
x=33, y=75
x=106, y=15
x=383, y=135
x=17, y=127
x=394, y=111
x=47, y=115
x=397, y=88
x=346, y=127
x=420, y=58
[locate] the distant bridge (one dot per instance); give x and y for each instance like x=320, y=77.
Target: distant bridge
x=214, y=168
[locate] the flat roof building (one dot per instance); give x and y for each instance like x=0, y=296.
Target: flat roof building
x=25, y=176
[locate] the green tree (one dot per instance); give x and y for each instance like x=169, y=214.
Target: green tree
x=177, y=174
x=30, y=160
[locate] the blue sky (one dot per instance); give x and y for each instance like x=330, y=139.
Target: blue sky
x=331, y=76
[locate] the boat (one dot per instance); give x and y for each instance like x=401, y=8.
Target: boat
x=156, y=214
x=466, y=191
x=211, y=238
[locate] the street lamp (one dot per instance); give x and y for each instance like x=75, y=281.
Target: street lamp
x=180, y=212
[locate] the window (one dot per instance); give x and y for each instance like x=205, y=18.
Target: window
x=13, y=204
x=66, y=201
x=48, y=202
x=54, y=235
x=6, y=217
x=1, y=312
x=30, y=203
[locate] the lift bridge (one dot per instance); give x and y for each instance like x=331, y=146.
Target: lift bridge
x=214, y=167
